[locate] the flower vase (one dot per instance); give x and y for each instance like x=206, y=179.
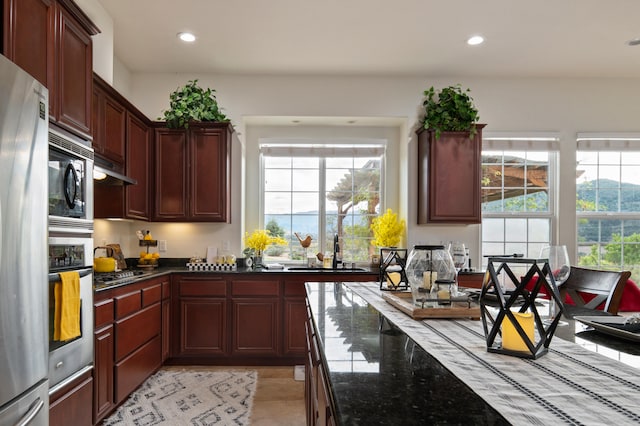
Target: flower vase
x=257, y=260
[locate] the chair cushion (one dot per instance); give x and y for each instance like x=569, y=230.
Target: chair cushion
x=630, y=301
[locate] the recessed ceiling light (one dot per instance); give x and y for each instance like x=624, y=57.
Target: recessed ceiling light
x=634, y=42
x=188, y=37
x=475, y=40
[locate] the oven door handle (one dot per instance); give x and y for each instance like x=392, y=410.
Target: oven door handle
x=82, y=272
x=70, y=174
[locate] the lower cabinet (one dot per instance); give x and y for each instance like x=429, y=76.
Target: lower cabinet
x=242, y=319
x=128, y=341
x=71, y=405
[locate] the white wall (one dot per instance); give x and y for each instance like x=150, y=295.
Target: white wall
x=566, y=106
x=102, y=42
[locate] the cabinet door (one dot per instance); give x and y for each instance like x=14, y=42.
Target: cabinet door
x=137, y=167
x=295, y=314
x=73, y=405
x=103, y=399
x=203, y=326
x=255, y=327
x=449, y=173
x=170, y=175
x=166, y=329
x=209, y=180
x=28, y=37
x=74, y=71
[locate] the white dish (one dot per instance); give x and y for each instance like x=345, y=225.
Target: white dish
x=599, y=323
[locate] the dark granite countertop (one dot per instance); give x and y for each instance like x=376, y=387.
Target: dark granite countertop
x=379, y=376
x=169, y=266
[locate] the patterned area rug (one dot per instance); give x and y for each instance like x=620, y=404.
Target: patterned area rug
x=188, y=397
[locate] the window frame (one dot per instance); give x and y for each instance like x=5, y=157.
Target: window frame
x=525, y=142
x=305, y=147
x=619, y=143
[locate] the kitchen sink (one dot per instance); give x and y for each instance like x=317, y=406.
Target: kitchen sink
x=319, y=268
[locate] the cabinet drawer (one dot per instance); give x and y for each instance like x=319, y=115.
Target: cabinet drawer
x=294, y=289
x=151, y=295
x=103, y=313
x=256, y=288
x=128, y=304
x=133, y=370
x=137, y=329
x=203, y=288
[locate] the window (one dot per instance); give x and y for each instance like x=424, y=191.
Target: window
x=608, y=202
x=518, y=190
x=320, y=190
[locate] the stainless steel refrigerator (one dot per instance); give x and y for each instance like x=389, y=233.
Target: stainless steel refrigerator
x=24, y=387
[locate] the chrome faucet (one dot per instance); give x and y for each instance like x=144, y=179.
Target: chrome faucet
x=336, y=250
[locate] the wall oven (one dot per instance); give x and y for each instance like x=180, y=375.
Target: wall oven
x=70, y=184
x=69, y=358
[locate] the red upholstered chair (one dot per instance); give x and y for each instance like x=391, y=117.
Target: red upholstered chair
x=593, y=289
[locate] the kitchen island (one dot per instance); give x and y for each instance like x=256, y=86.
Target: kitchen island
x=370, y=364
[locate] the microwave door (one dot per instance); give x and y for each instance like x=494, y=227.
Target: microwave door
x=71, y=186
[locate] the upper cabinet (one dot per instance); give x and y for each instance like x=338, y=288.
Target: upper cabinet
x=109, y=117
x=192, y=173
x=51, y=39
x=449, y=174
x=122, y=141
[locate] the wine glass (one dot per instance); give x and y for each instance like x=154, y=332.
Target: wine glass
x=458, y=254
x=560, y=268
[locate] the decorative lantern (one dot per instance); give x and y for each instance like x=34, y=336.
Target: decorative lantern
x=521, y=332
x=432, y=276
x=393, y=275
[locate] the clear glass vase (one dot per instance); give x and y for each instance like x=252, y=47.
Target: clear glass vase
x=432, y=276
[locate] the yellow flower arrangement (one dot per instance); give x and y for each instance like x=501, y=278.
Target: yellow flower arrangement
x=387, y=230
x=259, y=239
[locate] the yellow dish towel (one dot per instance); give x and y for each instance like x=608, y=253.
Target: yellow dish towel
x=66, y=324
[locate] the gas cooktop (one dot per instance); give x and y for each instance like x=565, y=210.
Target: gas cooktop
x=108, y=279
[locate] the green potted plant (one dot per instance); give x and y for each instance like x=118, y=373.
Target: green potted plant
x=192, y=103
x=449, y=110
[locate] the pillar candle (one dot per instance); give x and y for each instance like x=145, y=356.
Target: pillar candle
x=428, y=278
x=393, y=279
x=511, y=339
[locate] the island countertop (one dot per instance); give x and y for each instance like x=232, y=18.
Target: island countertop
x=378, y=372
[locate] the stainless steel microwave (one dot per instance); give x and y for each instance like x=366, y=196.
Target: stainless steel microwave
x=70, y=184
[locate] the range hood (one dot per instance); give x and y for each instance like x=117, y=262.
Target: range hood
x=105, y=176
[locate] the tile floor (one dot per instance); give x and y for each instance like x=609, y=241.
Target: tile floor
x=279, y=398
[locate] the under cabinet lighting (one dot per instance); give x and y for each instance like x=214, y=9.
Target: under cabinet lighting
x=187, y=37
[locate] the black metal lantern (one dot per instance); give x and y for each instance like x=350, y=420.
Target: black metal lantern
x=393, y=275
x=512, y=314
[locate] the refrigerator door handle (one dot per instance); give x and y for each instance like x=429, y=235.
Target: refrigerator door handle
x=32, y=413
x=70, y=174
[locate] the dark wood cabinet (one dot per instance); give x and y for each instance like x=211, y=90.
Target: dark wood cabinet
x=128, y=341
x=138, y=159
x=122, y=140
x=51, y=39
x=256, y=319
x=243, y=319
x=103, y=399
x=449, y=173
x=108, y=128
x=28, y=37
x=319, y=411
x=192, y=173
x=201, y=318
x=72, y=104
x=166, y=320
x=71, y=405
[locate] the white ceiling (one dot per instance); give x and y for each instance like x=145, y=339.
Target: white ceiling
x=541, y=38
